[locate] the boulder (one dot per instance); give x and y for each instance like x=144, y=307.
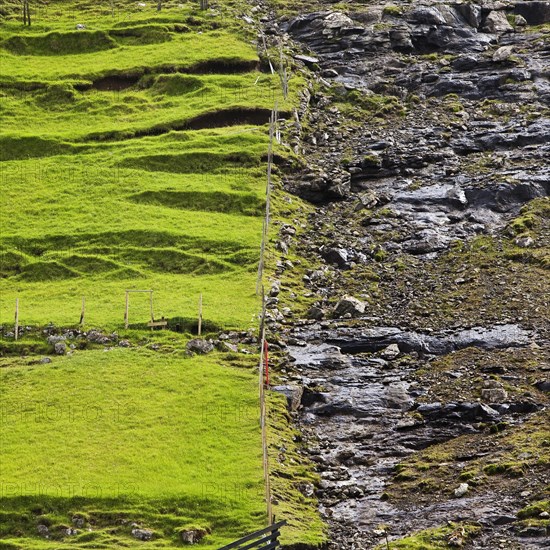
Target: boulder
x=496, y=23
x=336, y=21
x=471, y=14
x=293, y=394
x=200, y=346
x=349, y=305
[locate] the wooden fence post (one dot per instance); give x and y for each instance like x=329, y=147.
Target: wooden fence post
x=16, y=318
x=200, y=315
x=126, y=310
x=83, y=311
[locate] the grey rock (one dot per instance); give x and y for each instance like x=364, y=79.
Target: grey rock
x=496, y=23
x=461, y=490
x=426, y=15
x=471, y=13
x=503, y=53
x=338, y=256
x=307, y=59
x=391, y=352
x=293, y=394
x=336, y=21
x=192, y=536
x=200, y=346
x=45, y=360
x=349, y=305
x=316, y=313
x=60, y=348
x=524, y=242
x=142, y=534
x=43, y=531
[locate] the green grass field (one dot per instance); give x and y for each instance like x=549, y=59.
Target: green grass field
x=160, y=441
x=132, y=156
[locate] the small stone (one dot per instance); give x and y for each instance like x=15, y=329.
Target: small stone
x=520, y=21
x=45, y=361
x=78, y=521
x=461, y=490
x=43, y=531
x=494, y=395
x=142, y=534
x=80, y=27
x=391, y=352
x=60, y=348
x=524, y=242
x=307, y=59
x=192, y=536
x=70, y=532
x=503, y=54
x=544, y=515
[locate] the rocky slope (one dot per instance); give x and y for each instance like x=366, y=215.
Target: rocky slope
x=412, y=306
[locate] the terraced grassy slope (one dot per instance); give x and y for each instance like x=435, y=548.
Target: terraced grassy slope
x=132, y=156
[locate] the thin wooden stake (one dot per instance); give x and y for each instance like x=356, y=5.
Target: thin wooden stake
x=83, y=311
x=200, y=315
x=151, y=306
x=126, y=311
x=16, y=318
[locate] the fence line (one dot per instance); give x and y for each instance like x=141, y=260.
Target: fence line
x=263, y=413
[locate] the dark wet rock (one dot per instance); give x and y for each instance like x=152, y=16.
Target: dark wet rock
x=535, y=13
x=543, y=385
x=378, y=338
x=338, y=256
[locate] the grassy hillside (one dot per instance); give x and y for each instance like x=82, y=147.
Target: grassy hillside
x=132, y=156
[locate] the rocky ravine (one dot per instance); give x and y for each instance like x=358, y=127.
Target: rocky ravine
x=423, y=394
